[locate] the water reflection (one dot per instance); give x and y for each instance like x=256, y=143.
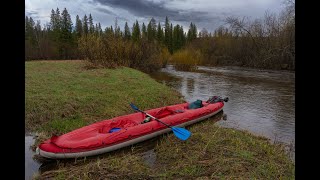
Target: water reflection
x=259, y=101
x=31, y=166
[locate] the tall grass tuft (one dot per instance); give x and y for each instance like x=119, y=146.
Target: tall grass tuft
x=187, y=59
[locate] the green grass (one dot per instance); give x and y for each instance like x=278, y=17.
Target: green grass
x=62, y=96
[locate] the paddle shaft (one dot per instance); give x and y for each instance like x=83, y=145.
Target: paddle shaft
x=155, y=118
x=180, y=133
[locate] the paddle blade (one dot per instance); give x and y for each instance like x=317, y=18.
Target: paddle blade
x=181, y=133
x=134, y=107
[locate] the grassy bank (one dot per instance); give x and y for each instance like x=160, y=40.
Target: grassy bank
x=64, y=95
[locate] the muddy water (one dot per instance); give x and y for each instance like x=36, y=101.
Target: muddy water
x=260, y=101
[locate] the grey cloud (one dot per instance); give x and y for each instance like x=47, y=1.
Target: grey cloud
x=143, y=8
x=31, y=13
x=106, y=11
x=35, y=15
x=207, y=14
x=139, y=7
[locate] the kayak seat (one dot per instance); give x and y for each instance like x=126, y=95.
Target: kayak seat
x=117, y=125
x=167, y=111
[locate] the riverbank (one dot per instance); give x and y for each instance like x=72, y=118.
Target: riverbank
x=64, y=95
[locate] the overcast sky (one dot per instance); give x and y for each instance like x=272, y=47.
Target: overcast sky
x=208, y=14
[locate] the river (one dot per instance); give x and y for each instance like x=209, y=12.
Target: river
x=260, y=101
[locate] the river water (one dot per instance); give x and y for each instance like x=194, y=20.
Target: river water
x=31, y=166
x=260, y=101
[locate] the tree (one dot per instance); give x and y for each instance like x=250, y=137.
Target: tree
x=117, y=31
x=78, y=27
x=170, y=47
x=29, y=29
x=98, y=30
x=66, y=22
x=109, y=31
x=176, y=39
x=52, y=19
x=55, y=33
x=136, y=32
x=65, y=34
x=192, y=32
x=55, y=20
x=127, y=33
x=160, y=33
x=30, y=40
x=203, y=33
x=144, y=31
x=167, y=32
x=91, y=26
x=85, y=25
x=151, y=30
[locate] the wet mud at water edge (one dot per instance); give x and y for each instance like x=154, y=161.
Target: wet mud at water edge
x=260, y=101
x=34, y=164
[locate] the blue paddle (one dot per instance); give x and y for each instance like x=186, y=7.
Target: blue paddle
x=179, y=132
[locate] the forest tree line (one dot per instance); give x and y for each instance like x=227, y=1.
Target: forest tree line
x=263, y=43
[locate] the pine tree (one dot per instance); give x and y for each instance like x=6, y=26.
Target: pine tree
x=151, y=30
x=167, y=32
x=29, y=29
x=100, y=29
x=170, y=47
x=159, y=34
x=136, y=32
x=144, y=31
x=58, y=20
x=91, y=26
x=38, y=37
x=85, y=25
x=65, y=34
x=183, y=36
x=30, y=40
x=55, y=20
x=55, y=33
x=176, y=38
x=192, y=32
x=109, y=32
x=96, y=30
x=78, y=27
x=117, y=31
x=127, y=33
x=66, y=22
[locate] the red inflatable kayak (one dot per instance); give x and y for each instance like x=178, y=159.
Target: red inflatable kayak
x=115, y=133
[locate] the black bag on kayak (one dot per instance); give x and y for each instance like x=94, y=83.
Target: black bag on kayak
x=196, y=104
x=215, y=99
